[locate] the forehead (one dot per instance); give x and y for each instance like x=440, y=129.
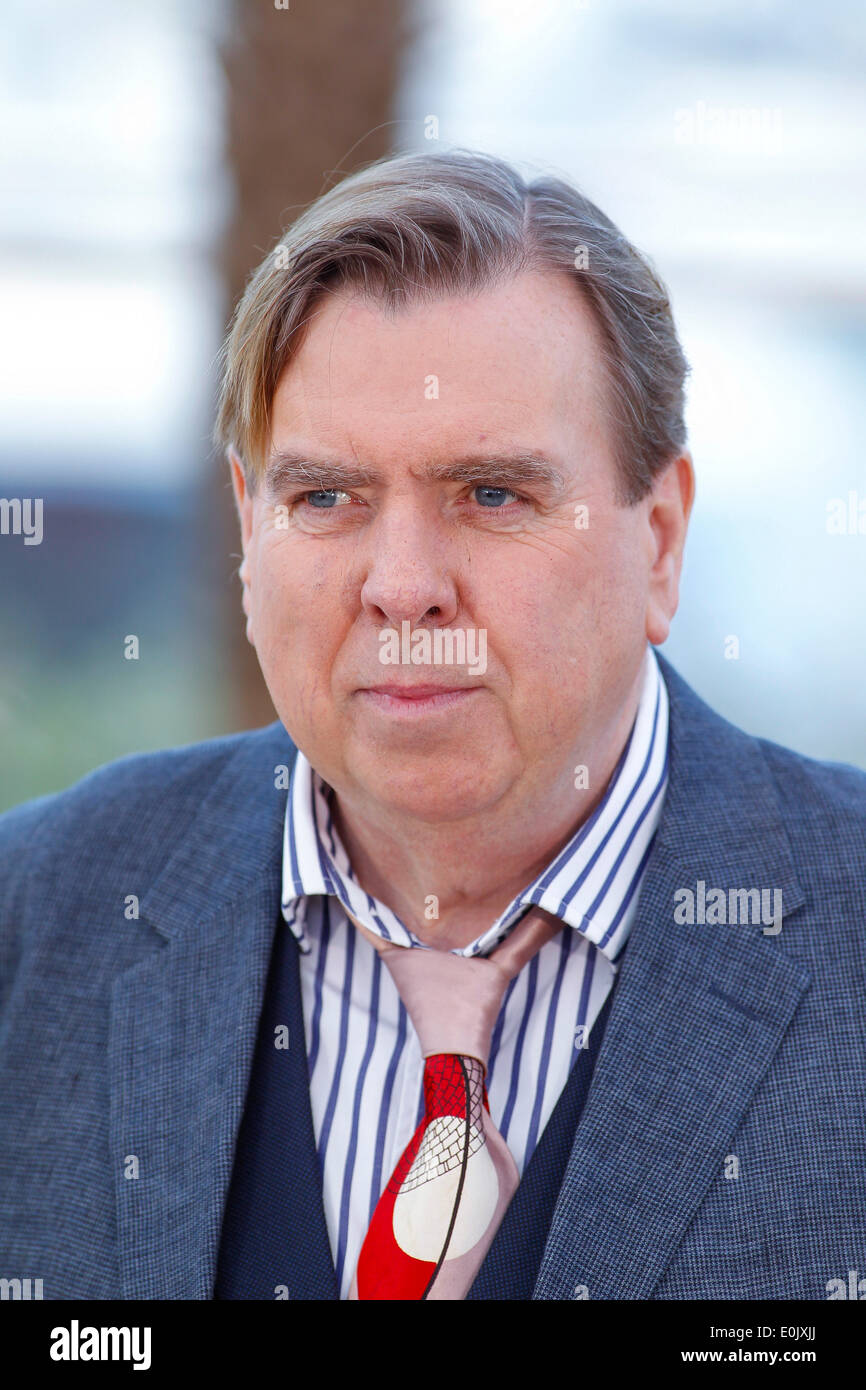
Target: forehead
x=520, y=360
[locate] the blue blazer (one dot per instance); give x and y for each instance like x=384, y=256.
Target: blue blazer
x=720, y=1152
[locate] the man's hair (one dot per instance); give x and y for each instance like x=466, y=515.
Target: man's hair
x=417, y=227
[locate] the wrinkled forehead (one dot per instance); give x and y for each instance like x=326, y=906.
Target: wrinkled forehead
x=518, y=365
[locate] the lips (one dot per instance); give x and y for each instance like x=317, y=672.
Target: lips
x=416, y=692
x=406, y=704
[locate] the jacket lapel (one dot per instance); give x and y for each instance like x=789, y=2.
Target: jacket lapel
x=511, y=1265
x=184, y=1023
x=697, y=1015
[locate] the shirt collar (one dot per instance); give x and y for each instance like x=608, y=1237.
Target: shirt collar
x=591, y=884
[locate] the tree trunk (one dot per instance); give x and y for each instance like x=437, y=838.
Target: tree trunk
x=309, y=98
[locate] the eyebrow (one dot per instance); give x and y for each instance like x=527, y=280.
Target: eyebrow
x=521, y=468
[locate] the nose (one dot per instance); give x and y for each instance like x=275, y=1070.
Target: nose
x=410, y=569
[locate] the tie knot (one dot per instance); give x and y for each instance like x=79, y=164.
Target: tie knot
x=453, y=1001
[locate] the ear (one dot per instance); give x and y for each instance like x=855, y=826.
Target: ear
x=244, y=502
x=669, y=506
x=243, y=498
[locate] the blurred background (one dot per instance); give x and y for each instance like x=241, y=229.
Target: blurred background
x=152, y=154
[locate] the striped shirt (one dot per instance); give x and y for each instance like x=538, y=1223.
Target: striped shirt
x=365, y=1064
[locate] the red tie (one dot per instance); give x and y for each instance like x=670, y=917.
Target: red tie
x=438, y=1214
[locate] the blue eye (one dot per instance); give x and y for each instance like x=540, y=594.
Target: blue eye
x=492, y=496
x=324, y=498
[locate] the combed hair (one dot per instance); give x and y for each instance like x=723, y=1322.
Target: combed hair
x=420, y=226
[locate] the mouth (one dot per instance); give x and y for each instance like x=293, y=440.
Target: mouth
x=410, y=701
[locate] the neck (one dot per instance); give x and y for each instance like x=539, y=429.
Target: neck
x=450, y=882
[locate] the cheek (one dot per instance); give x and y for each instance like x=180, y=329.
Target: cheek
x=298, y=616
x=543, y=596
x=536, y=626
x=272, y=581
x=287, y=585
x=559, y=615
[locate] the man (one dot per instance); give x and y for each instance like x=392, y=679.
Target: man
x=500, y=967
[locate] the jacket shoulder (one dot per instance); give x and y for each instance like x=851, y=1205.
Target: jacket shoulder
x=114, y=825
x=823, y=810
x=812, y=789
x=133, y=789
x=60, y=855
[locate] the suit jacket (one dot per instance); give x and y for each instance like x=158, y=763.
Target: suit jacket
x=721, y=1151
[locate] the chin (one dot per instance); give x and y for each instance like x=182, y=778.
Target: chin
x=430, y=789
x=433, y=805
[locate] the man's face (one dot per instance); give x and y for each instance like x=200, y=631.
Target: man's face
x=449, y=449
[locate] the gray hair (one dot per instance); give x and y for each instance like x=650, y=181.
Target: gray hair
x=417, y=226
